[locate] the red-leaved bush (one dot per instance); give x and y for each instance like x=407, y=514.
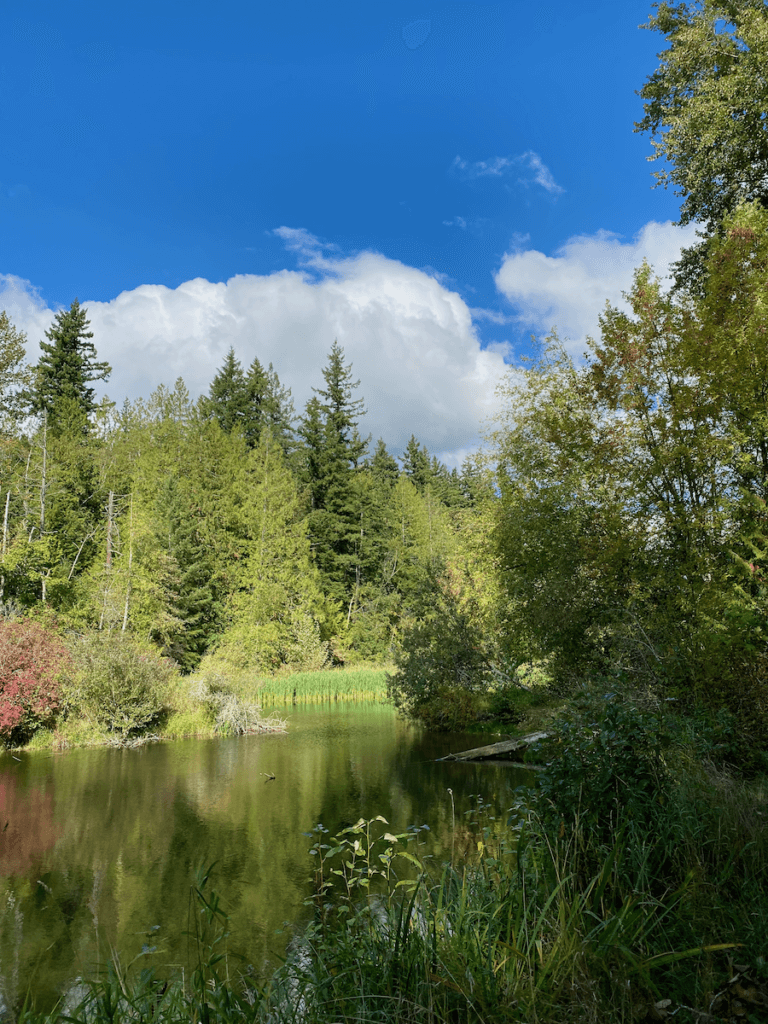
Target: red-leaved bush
x=30, y=661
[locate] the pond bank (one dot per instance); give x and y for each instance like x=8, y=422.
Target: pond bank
x=116, y=834
x=517, y=921
x=242, y=703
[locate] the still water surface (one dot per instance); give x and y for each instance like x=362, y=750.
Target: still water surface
x=101, y=844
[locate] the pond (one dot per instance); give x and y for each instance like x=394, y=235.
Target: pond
x=98, y=847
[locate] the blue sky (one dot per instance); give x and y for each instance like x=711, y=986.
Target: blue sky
x=428, y=183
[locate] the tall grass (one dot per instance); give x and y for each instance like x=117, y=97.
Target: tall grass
x=510, y=930
x=341, y=684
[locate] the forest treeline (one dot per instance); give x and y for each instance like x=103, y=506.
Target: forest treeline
x=226, y=523
x=614, y=526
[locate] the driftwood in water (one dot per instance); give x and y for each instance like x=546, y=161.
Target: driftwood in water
x=496, y=749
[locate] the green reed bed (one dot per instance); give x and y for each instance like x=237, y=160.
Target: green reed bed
x=339, y=684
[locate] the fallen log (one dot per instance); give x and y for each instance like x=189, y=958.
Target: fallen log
x=496, y=749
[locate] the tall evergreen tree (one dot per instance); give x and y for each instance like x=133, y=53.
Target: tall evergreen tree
x=66, y=368
x=227, y=398
x=247, y=402
x=196, y=604
x=270, y=404
x=415, y=460
x=383, y=466
x=70, y=495
x=332, y=453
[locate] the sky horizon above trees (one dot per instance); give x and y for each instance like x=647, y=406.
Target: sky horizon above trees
x=427, y=187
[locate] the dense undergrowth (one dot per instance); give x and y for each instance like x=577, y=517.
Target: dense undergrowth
x=628, y=886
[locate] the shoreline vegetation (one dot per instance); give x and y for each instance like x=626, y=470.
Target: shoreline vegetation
x=205, y=706
x=598, y=572
x=627, y=885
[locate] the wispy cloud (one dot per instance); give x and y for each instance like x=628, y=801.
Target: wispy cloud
x=529, y=168
x=309, y=250
x=474, y=225
x=492, y=316
x=541, y=173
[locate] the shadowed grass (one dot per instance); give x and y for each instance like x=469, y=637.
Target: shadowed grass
x=511, y=930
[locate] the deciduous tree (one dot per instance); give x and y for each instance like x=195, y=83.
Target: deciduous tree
x=705, y=109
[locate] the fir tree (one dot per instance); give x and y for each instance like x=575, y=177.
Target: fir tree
x=269, y=404
x=227, y=398
x=342, y=411
x=383, y=466
x=415, y=460
x=247, y=402
x=67, y=366
x=196, y=604
x=332, y=453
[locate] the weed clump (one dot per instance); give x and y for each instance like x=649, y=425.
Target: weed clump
x=232, y=715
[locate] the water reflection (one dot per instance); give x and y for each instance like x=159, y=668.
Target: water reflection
x=101, y=845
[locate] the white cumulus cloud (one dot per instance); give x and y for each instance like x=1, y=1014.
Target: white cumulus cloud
x=569, y=289
x=410, y=339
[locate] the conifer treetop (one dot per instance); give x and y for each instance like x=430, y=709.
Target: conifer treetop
x=342, y=410
x=67, y=366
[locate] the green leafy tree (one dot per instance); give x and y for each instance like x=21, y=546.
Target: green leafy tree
x=705, y=109
x=632, y=488
x=276, y=597
x=558, y=524
x=15, y=375
x=449, y=650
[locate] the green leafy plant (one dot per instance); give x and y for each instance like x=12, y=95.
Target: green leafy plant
x=444, y=662
x=607, y=762
x=119, y=684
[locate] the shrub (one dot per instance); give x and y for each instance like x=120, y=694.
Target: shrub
x=449, y=709
x=607, y=763
x=443, y=660
x=308, y=652
x=118, y=683
x=31, y=658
